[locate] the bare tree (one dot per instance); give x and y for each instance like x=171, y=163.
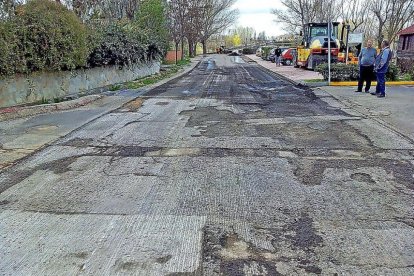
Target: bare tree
x=192, y=24
x=245, y=33
x=355, y=12
x=176, y=18
x=262, y=36
x=104, y=9
x=298, y=13
x=216, y=16
x=198, y=20
x=392, y=16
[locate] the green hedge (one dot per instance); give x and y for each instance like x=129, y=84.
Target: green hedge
x=117, y=44
x=339, y=71
x=43, y=35
x=9, y=49
x=393, y=73
x=350, y=72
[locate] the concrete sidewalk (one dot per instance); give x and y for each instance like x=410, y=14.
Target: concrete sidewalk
x=396, y=110
x=21, y=137
x=295, y=74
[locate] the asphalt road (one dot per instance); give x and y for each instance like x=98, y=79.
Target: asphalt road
x=227, y=170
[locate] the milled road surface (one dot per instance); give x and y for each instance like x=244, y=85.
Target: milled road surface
x=228, y=170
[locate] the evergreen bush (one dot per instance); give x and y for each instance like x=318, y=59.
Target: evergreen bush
x=44, y=35
x=350, y=72
x=118, y=43
x=339, y=71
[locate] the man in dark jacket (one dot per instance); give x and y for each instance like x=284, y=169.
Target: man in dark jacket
x=381, y=67
x=278, y=53
x=366, y=61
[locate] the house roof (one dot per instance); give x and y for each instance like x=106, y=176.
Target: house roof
x=409, y=30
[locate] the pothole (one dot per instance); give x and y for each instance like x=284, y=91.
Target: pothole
x=132, y=106
x=363, y=177
x=43, y=129
x=162, y=103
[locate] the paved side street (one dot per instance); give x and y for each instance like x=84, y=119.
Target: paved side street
x=226, y=170
x=287, y=71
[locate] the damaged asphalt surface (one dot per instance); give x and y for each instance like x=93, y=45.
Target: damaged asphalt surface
x=227, y=170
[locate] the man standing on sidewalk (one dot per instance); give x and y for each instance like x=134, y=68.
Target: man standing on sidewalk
x=381, y=67
x=366, y=60
x=278, y=53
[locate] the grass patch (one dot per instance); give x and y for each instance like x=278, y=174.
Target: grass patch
x=164, y=74
x=115, y=87
x=179, y=63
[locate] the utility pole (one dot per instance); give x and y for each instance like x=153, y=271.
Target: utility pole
x=348, y=28
x=329, y=50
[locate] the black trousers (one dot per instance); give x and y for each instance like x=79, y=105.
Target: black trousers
x=366, y=73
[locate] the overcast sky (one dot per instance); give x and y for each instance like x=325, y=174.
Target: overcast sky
x=256, y=14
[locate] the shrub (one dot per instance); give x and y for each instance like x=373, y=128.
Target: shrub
x=151, y=19
x=265, y=52
x=406, y=65
x=43, y=35
x=349, y=72
x=392, y=73
x=115, y=44
x=406, y=77
x=121, y=43
x=9, y=57
x=339, y=71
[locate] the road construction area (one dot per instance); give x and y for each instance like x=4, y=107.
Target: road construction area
x=288, y=71
x=227, y=170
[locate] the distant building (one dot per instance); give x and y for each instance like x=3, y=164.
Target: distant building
x=285, y=37
x=405, y=50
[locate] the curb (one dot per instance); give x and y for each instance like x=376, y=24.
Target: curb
x=16, y=112
x=314, y=84
x=143, y=90
x=85, y=100
x=354, y=83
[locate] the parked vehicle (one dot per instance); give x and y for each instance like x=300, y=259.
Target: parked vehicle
x=272, y=54
x=287, y=56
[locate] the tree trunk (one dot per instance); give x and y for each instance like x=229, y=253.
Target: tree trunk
x=176, y=52
x=194, y=49
x=182, y=49
x=191, y=48
x=380, y=35
x=204, y=47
